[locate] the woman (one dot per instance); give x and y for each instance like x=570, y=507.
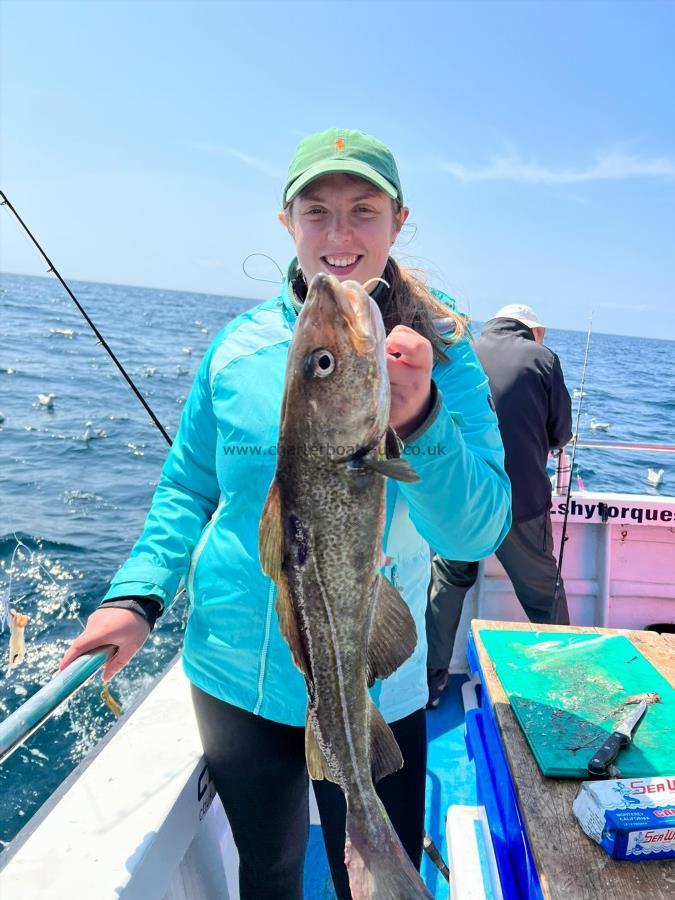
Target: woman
x=343, y=208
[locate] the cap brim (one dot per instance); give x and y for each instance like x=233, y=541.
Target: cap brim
x=528, y=322
x=343, y=167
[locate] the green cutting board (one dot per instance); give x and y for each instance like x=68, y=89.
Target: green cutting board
x=568, y=692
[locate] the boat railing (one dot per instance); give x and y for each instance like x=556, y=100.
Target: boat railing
x=20, y=724
x=626, y=445
x=561, y=479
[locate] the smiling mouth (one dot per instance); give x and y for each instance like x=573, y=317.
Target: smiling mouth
x=342, y=262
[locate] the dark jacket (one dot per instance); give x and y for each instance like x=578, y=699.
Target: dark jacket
x=533, y=407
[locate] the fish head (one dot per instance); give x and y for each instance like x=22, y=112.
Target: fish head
x=337, y=388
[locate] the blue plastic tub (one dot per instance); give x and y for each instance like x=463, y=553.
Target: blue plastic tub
x=496, y=792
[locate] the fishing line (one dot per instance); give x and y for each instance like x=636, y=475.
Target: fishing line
x=253, y=277
x=101, y=340
x=575, y=440
x=6, y=598
x=7, y=602
x=377, y=278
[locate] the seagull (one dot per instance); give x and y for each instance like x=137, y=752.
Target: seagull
x=46, y=400
x=150, y=370
x=600, y=426
x=655, y=476
x=186, y=350
x=578, y=394
x=90, y=434
x=2, y=418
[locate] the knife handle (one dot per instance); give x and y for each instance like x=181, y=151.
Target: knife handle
x=599, y=765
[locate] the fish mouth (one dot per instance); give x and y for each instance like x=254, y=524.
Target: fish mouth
x=346, y=308
x=353, y=304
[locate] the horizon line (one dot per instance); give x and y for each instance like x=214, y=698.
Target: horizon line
x=146, y=287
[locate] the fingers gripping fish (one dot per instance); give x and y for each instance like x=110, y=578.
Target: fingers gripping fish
x=321, y=542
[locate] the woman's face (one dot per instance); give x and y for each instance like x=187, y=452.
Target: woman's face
x=343, y=225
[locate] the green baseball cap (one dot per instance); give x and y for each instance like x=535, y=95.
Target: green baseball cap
x=348, y=152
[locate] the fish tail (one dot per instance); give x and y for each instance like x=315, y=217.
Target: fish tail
x=378, y=867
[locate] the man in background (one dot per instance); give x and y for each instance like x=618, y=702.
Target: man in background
x=535, y=416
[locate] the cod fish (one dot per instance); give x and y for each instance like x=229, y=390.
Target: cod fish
x=321, y=542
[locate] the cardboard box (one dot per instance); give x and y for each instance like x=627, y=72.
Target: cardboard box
x=631, y=818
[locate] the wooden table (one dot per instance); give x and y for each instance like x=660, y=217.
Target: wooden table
x=570, y=865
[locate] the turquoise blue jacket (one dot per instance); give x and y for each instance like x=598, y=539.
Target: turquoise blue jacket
x=202, y=527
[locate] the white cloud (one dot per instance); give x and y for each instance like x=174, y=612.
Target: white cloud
x=251, y=161
x=613, y=166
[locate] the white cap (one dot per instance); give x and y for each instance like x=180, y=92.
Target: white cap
x=521, y=313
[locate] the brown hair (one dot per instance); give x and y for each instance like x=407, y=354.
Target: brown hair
x=408, y=301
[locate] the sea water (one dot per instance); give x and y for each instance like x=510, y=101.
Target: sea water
x=76, y=479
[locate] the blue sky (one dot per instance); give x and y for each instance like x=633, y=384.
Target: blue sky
x=146, y=142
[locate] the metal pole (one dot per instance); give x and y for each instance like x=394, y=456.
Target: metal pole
x=627, y=445
x=603, y=579
x=20, y=724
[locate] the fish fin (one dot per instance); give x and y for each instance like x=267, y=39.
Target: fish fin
x=392, y=444
x=317, y=764
x=390, y=463
x=288, y=626
x=385, y=754
x=271, y=534
x=393, y=635
x=398, y=469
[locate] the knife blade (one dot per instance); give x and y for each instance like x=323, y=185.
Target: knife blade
x=620, y=738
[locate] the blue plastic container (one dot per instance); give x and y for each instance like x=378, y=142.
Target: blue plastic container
x=517, y=871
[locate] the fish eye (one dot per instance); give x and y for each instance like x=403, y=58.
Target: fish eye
x=323, y=363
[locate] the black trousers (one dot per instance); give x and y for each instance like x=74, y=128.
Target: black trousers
x=260, y=774
x=527, y=556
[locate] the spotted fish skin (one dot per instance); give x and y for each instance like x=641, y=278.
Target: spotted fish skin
x=321, y=542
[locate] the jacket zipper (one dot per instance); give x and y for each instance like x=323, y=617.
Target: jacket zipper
x=199, y=549
x=271, y=594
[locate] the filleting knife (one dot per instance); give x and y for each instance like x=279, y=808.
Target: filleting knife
x=599, y=766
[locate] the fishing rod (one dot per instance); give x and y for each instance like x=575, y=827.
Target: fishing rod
x=434, y=855
x=575, y=440
x=34, y=712
x=101, y=340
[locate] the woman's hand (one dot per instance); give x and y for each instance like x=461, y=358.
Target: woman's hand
x=409, y=360
x=121, y=628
